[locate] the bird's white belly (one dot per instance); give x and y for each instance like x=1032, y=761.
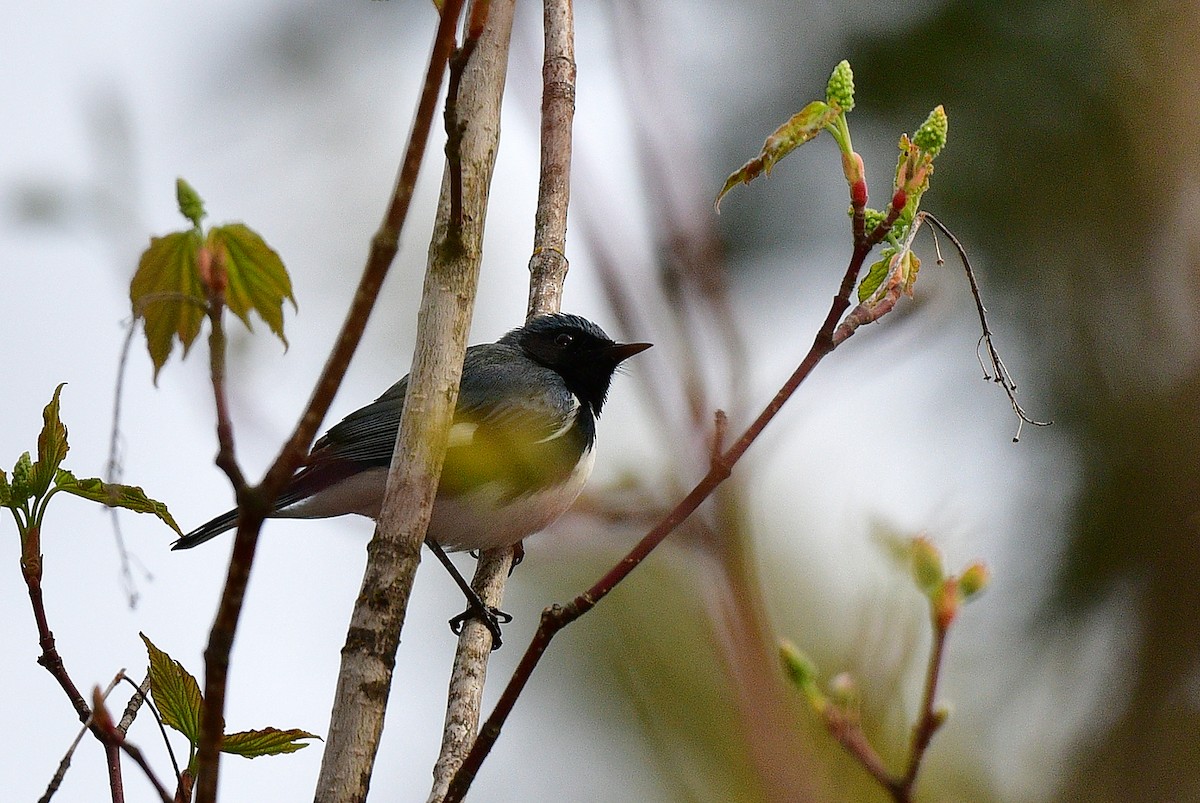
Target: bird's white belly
x=471, y=521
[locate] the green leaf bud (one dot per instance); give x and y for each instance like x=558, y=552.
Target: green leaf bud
x=927, y=568
x=798, y=667
x=973, y=581
x=191, y=205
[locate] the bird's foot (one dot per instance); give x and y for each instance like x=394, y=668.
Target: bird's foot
x=518, y=555
x=491, y=617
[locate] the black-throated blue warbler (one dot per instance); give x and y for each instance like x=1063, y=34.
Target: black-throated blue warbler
x=520, y=447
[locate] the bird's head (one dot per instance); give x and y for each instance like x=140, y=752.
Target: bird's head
x=577, y=350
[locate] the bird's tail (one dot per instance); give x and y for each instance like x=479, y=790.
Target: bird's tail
x=226, y=521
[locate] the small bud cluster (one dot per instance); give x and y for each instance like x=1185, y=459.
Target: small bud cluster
x=931, y=136
x=840, y=89
x=946, y=593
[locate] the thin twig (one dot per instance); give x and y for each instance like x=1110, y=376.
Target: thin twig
x=254, y=505
x=999, y=373
x=65, y=764
x=116, y=739
x=113, y=468
x=140, y=697
x=31, y=571
x=929, y=720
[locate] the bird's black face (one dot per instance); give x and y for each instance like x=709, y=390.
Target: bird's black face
x=578, y=350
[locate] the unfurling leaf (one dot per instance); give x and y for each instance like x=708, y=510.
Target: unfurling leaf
x=127, y=497
x=874, y=278
x=803, y=126
x=255, y=275
x=52, y=447
x=167, y=294
x=22, y=481
x=176, y=693
x=265, y=742
x=5, y=491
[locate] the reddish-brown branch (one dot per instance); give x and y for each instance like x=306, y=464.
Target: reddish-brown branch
x=31, y=571
x=254, y=503
x=848, y=732
x=559, y=616
x=929, y=719
x=115, y=739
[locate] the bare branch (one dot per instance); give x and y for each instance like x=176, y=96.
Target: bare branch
x=392, y=556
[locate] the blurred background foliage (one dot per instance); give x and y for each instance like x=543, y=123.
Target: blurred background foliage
x=1071, y=174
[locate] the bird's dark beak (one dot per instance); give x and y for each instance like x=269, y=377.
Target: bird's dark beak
x=620, y=352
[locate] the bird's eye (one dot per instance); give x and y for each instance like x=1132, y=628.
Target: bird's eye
x=563, y=340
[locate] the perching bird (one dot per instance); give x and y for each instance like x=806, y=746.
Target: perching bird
x=520, y=447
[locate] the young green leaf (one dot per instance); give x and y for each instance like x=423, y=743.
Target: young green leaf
x=265, y=742
x=803, y=126
x=127, y=497
x=5, y=491
x=52, y=446
x=256, y=276
x=874, y=278
x=22, y=481
x=167, y=293
x=176, y=693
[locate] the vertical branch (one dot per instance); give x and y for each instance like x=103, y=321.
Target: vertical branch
x=254, y=502
x=447, y=300
x=548, y=265
x=548, y=270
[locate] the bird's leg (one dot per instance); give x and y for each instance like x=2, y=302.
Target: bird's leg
x=492, y=618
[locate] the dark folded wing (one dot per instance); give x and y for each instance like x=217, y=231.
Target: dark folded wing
x=515, y=424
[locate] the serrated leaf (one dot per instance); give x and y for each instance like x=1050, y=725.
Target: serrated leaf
x=803, y=126
x=874, y=278
x=167, y=293
x=21, y=488
x=257, y=279
x=52, y=446
x=126, y=497
x=175, y=692
x=265, y=742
